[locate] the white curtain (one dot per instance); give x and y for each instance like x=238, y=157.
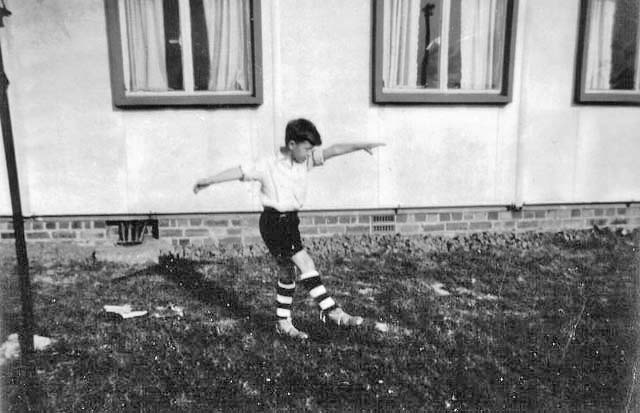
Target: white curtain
x=599, y=57
x=145, y=34
x=400, y=50
x=482, y=31
x=228, y=31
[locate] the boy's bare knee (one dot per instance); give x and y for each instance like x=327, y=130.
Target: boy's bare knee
x=303, y=261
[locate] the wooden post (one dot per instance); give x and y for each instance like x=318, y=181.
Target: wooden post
x=26, y=331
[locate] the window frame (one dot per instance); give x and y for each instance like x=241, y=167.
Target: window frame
x=503, y=97
x=117, y=67
x=606, y=97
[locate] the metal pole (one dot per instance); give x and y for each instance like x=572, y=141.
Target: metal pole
x=26, y=331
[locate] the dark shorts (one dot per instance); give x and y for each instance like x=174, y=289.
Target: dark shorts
x=280, y=233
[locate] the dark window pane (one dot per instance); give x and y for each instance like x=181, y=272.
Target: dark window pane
x=429, y=43
x=172, y=43
x=624, y=45
x=200, y=45
x=453, y=81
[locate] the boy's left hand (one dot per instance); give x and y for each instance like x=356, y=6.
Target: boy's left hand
x=369, y=146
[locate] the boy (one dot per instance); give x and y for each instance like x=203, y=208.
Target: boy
x=283, y=187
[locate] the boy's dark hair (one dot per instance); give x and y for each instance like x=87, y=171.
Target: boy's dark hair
x=300, y=130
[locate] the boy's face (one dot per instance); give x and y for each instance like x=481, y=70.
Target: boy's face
x=300, y=151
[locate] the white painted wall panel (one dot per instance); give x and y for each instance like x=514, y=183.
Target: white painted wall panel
x=608, y=155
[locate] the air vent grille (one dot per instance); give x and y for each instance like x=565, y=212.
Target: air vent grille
x=384, y=223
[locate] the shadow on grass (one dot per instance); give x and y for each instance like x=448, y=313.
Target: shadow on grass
x=187, y=275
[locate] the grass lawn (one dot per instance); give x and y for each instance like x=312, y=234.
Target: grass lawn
x=531, y=322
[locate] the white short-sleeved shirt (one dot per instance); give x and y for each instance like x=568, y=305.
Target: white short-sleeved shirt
x=283, y=182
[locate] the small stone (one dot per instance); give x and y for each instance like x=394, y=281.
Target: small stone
x=382, y=327
x=439, y=290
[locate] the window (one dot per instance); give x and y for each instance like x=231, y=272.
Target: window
x=184, y=52
x=608, y=64
x=444, y=51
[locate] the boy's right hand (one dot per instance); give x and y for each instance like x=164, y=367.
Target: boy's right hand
x=201, y=184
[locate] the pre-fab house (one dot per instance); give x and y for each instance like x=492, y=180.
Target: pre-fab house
x=496, y=114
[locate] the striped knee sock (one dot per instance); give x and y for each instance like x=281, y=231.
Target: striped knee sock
x=284, y=299
x=311, y=281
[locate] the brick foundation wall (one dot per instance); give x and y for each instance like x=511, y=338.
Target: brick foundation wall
x=242, y=228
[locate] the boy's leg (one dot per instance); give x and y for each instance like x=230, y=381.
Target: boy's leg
x=310, y=278
x=284, y=300
x=274, y=229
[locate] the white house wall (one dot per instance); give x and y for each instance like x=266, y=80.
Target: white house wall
x=570, y=153
x=79, y=155
x=607, y=161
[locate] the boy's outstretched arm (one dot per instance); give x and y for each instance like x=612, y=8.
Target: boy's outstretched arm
x=231, y=174
x=344, y=148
